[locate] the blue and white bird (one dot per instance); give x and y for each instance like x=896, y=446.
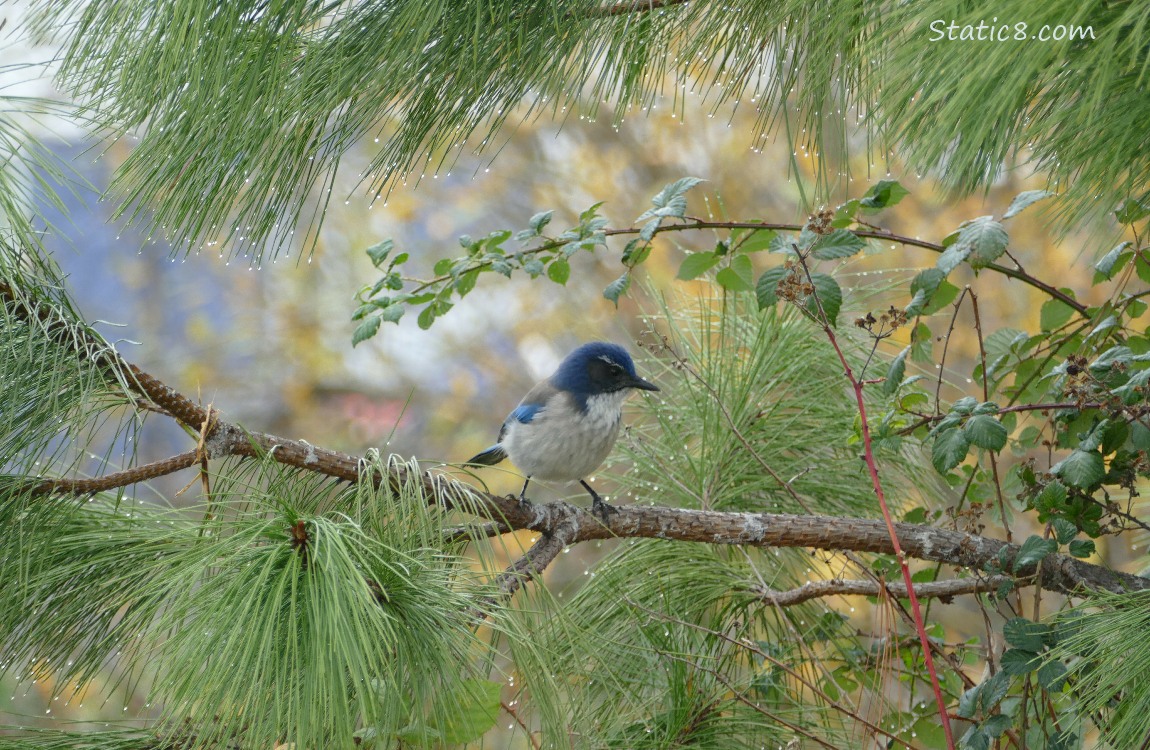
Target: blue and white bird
x=565, y=426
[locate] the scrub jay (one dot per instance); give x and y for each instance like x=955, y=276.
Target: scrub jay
x=565, y=426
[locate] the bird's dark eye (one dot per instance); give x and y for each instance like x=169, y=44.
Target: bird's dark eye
x=615, y=370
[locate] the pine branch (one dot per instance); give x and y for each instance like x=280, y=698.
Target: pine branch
x=568, y=524
x=944, y=590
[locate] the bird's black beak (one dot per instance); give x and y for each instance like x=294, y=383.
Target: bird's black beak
x=643, y=385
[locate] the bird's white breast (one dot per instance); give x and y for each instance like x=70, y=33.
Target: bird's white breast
x=563, y=444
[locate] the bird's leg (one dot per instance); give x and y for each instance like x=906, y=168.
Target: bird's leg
x=599, y=507
x=523, y=493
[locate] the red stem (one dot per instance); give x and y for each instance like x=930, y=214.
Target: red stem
x=872, y=466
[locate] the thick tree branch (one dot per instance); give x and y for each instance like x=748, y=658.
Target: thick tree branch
x=564, y=524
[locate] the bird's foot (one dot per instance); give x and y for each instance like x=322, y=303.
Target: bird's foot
x=603, y=509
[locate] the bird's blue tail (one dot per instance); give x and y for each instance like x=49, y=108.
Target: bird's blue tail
x=489, y=457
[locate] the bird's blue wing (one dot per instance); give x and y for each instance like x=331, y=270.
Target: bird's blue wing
x=524, y=413
x=531, y=406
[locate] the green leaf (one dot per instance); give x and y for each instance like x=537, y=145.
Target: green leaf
x=767, y=284
x=993, y=691
x=696, y=264
x=473, y=709
x=617, y=288
x=895, y=373
x=952, y=257
x=559, y=270
x=968, y=703
x=1064, y=530
x=1083, y=469
x=1052, y=497
x=1025, y=199
x=974, y=739
x=427, y=317
x=1017, y=661
x=671, y=200
x=1054, y=314
x=950, y=448
x=365, y=330
x=1113, y=261
x=830, y=297
x=379, y=252
x=995, y=725
x=985, y=238
x=1033, y=550
x=883, y=194
x=739, y=276
x=1052, y=676
x=841, y=243
x=539, y=221
x=757, y=240
x=636, y=252
x=1081, y=548
x=1131, y=211
x=986, y=432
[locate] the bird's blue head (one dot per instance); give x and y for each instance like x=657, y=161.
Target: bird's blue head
x=598, y=368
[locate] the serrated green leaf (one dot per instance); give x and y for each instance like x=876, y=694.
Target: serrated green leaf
x=841, y=243
x=696, y=264
x=534, y=267
x=442, y=266
x=986, y=432
x=649, y=229
x=1025, y=199
x=968, y=702
x=1083, y=469
x=1081, y=548
x=1131, y=211
x=943, y=296
x=728, y=279
x=995, y=725
x=427, y=317
x=1064, y=530
x=379, y=252
x=365, y=330
x=767, y=285
x=965, y=405
x=993, y=690
x=1054, y=314
x=1052, y=676
x=949, y=449
x=469, y=712
x=985, y=238
x=830, y=297
x=1033, y=550
x=392, y=313
x=883, y=194
x=742, y=268
x=636, y=252
x=1113, y=261
x=1142, y=268
x=1017, y=661
x=559, y=270
x=1052, y=497
x=974, y=739
x=757, y=240
x=540, y=220
x=617, y=288
x=671, y=200
x=952, y=257
x=895, y=373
